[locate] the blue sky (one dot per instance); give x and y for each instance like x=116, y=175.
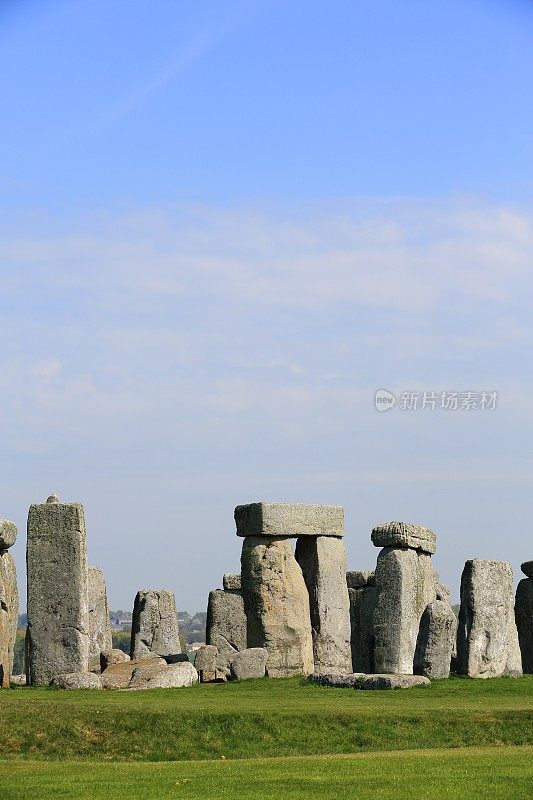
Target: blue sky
x=223, y=227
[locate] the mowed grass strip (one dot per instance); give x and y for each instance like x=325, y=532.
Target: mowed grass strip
x=470, y=774
x=262, y=718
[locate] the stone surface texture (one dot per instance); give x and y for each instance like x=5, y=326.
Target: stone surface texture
x=8, y=534
x=100, y=637
x=249, y=663
x=226, y=626
x=231, y=582
x=113, y=656
x=527, y=568
x=167, y=676
x=405, y=583
x=58, y=625
x=403, y=534
x=359, y=578
x=524, y=622
x=154, y=625
x=436, y=637
x=487, y=639
x=323, y=563
x=361, y=681
x=289, y=519
x=118, y=676
x=276, y=603
x=362, y=607
x=77, y=680
x=9, y=610
x=206, y=664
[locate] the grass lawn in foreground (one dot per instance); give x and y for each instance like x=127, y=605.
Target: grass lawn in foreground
x=262, y=718
x=497, y=773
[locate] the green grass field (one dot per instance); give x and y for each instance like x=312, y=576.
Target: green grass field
x=271, y=738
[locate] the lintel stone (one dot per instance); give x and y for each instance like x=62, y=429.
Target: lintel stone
x=403, y=534
x=289, y=520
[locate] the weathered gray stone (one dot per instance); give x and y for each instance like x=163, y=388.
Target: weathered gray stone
x=434, y=647
x=527, y=568
x=359, y=578
x=118, y=675
x=524, y=622
x=206, y=664
x=249, y=663
x=100, y=637
x=403, y=534
x=487, y=639
x=8, y=534
x=359, y=680
x=276, y=603
x=289, y=520
x=77, y=680
x=17, y=680
x=168, y=676
x=225, y=626
x=58, y=625
x=9, y=609
x=154, y=625
x=443, y=593
x=231, y=583
x=405, y=584
x=113, y=656
x=362, y=607
x=323, y=563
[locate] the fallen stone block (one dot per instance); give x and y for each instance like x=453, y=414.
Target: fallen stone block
x=118, y=676
x=114, y=656
x=77, y=680
x=487, y=638
x=169, y=676
x=17, y=680
x=323, y=563
x=369, y=682
x=206, y=664
x=276, y=603
x=289, y=520
x=403, y=534
x=249, y=663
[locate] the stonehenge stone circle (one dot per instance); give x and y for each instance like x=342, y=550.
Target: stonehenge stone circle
x=405, y=583
x=323, y=563
x=436, y=638
x=100, y=637
x=56, y=555
x=154, y=625
x=226, y=626
x=9, y=601
x=524, y=621
x=276, y=604
x=487, y=638
x=289, y=520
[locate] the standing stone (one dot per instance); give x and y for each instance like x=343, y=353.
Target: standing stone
x=323, y=563
x=58, y=625
x=100, y=637
x=524, y=622
x=362, y=607
x=276, y=603
x=405, y=584
x=433, y=654
x=487, y=639
x=9, y=601
x=154, y=625
x=225, y=626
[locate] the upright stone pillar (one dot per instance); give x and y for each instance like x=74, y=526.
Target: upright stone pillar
x=524, y=616
x=296, y=620
x=9, y=600
x=323, y=563
x=434, y=647
x=154, y=626
x=100, y=636
x=363, y=596
x=226, y=622
x=58, y=624
x=487, y=639
x=405, y=583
